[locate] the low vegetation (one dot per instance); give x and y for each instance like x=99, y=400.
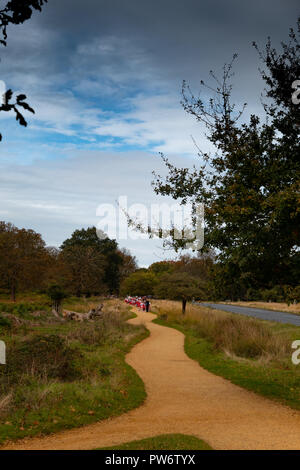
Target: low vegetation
x=63, y=374
x=165, y=442
x=83, y=304
x=251, y=353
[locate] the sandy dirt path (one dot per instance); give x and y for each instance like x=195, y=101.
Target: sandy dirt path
x=183, y=398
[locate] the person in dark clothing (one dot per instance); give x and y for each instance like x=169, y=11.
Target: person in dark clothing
x=147, y=303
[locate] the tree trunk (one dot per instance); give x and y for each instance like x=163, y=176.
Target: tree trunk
x=183, y=306
x=13, y=292
x=56, y=306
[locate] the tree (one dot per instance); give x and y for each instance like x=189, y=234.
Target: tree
x=89, y=237
x=24, y=259
x=85, y=269
x=56, y=294
x=251, y=185
x=16, y=12
x=128, y=265
x=58, y=272
x=161, y=267
x=199, y=266
x=102, y=245
x=178, y=286
x=139, y=283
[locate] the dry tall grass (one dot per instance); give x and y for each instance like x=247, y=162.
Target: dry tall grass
x=233, y=334
x=111, y=325
x=84, y=305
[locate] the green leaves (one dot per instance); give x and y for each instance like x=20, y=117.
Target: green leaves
x=16, y=12
x=8, y=106
x=250, y=184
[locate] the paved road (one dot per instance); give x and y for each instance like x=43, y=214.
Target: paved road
x=260, y=313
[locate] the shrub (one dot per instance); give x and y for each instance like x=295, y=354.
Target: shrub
x=5, y=323
x=293, y=295
x=252, y=295
x=43, y=357
x=21, y=310
x=276, y=294
x=56, y=294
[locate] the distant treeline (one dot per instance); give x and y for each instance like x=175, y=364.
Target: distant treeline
x=201, y=278
x=83, y=265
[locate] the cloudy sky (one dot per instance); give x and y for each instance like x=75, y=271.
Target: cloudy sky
x=104, y=77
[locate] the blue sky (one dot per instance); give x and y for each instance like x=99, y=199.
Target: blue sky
x=105, y=81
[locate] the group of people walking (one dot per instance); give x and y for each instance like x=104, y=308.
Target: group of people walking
x=140, y=302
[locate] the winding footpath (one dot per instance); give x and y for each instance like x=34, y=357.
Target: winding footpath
x=183, y=398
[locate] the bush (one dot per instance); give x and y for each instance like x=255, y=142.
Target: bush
x=43, y=357
x=22, y=309
x=5, y=323
x=276, y=294
x=293, y=295
x=252, y=295
x=284, y=293
x=56, y=294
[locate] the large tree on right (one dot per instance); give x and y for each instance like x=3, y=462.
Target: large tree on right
x=250, y=185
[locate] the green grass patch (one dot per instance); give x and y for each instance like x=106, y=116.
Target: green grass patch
x=164, y=442
x=24, y=297
x=276, y=378
x=64, y=375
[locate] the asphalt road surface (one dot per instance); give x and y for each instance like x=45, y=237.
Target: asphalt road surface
x=260, y=313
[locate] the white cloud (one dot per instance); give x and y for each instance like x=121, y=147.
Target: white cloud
x=155, y=121
x=97, y=96
x=57, y=197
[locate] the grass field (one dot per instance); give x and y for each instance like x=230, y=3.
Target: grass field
x=83, y=304
x=251, y=353
x=42, y=301
x=164, y=442
x=61, y=375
